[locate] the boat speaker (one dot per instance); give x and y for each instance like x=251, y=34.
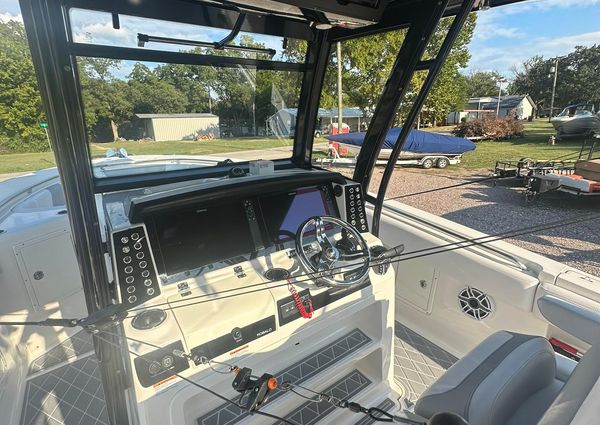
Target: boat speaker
x=475, y=303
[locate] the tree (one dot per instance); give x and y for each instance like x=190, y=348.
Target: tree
x=450, y=91
x=150, y=95
x=483, y=83
x=367, y=62
x=105, y=99
x=577, y=78
x=21, y=108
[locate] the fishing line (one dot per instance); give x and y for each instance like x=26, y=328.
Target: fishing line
x=471, y=242
x=404, y=257
x=189, y=381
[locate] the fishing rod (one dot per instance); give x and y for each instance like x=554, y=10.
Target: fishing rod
x=252, y=408
x=103, y=320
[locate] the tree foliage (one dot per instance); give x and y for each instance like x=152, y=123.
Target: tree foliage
x=577, y=78
x=483, y=83
x=367, y=62
x=20, y=104
x=242, y=97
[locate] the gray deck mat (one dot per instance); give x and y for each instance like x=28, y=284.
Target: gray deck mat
x=68, y=395
x=72, y=394
x=303, y=370
x=312, y=412
x=418, y=362
x=385, y=405
x=78, y=344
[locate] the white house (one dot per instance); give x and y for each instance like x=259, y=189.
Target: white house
x=522, y=106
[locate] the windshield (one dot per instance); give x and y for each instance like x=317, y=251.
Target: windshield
x=147, y=117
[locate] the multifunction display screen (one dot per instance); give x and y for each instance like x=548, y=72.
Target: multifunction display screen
x=188, y=239
x=284, y=213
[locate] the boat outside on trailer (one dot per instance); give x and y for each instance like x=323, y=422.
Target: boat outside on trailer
x=577, y=120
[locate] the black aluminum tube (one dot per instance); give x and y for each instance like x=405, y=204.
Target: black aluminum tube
x=434, y=70
x=415, y=43
x=317, y=58
x=146, y=38
x=161, y=56
x=46, y=26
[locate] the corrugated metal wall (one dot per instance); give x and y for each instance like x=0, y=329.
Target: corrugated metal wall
x=165, y=129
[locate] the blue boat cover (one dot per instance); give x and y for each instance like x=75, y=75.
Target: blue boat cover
x=417, y=141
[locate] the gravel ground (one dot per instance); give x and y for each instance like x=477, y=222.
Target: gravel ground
x=495, y=209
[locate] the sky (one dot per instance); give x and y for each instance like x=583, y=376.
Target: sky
x=504, y=37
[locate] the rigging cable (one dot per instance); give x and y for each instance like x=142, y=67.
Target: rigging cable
x=189, y=381
x=374, y=413
x=404, y=257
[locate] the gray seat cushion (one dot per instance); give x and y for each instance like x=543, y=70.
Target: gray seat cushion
x=579, y=400
x=490, y=384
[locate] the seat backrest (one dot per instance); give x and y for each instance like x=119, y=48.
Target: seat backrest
x=578, y=402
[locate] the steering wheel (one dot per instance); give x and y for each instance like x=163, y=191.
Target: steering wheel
x=321, y=256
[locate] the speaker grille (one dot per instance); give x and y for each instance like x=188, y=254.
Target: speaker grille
x=475, y=303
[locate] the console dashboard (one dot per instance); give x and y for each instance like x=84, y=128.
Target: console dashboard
x=216, y=237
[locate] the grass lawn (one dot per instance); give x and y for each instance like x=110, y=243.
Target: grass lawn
x=532, y=145
x=19, y=162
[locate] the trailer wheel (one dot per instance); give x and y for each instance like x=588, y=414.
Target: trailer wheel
x=427, y=163
x=442, y=163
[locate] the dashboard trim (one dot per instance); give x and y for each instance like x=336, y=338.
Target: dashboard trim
x=144, y=206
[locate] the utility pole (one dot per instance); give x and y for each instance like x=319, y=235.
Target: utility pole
x=555, y=70
x=500, y=81
x=339, y=84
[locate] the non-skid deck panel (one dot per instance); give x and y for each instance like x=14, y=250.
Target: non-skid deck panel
x=299, y=372
x=68, y=395
x=78, y=344
x=386, y=405
x=312, y=412
x=418, y=362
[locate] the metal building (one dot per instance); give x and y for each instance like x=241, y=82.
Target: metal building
x=165, y=127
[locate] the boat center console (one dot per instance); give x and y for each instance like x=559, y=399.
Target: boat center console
x=267, y=272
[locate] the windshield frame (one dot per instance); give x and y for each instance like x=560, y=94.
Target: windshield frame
x=215, y=16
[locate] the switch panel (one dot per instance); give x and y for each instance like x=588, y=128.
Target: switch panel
x=135, y=269
x=355, y=207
